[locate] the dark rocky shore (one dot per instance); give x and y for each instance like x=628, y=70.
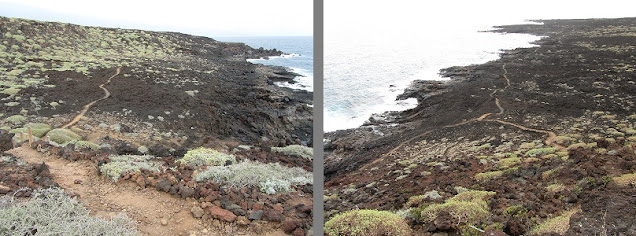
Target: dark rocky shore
x=542, y=132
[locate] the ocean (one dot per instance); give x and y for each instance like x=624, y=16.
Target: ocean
x=298, y=56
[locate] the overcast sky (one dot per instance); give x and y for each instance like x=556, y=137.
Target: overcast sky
x=209, y=18
x=421, y=17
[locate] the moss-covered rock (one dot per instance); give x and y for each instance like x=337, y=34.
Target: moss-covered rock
x=367, y=222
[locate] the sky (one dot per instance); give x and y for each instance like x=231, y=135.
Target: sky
x=227, y=18
x=418, y=17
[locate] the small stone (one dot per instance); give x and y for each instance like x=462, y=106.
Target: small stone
x=77, y=181
x=164, y=222
x=222, y=214
x=4, y=189
x=256, y=215
x=242, y=220
x=197, y=212
x=151, y=117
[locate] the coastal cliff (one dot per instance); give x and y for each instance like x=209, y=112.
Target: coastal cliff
x=542, y=140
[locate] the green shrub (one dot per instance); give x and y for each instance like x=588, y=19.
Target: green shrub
x=469, y=207
x=120, y=165
x=295, y=150
x=62, y=136
x=15, y=119
x=367, y=222
x=37, y=129
x=559, y=224
x=508, y=162
x=84, y=145
x=414, y=201
x=488, y=175
x=516, y=212
x=540, y=152
x=206, y=156
x=270, y=178
x=52, y=212
x=626, y=179
x=553, y=188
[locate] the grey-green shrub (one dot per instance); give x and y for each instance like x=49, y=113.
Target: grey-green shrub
x=37, y=129
x=205, y=157
x=295, y=150
x=120, y=165
x=52, y=212
x=81, y=145
x=62, y=136
x=15, y=119
x=269, y=178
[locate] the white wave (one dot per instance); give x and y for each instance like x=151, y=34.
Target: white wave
x=303, y=82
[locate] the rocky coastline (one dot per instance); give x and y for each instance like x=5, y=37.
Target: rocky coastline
x=544, y=136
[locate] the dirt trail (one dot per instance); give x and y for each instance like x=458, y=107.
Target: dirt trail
x=548, y=141
x=157, y=213
x=105, y=199
x=88, y=105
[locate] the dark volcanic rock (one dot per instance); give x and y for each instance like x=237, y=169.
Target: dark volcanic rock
x=5, y=141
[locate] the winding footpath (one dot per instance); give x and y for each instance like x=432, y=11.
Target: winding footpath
x=88, y=105
x=548, y=141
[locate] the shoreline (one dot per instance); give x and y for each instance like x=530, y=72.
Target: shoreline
x=390, y=94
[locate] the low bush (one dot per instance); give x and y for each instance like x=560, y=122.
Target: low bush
x=558, y=225
x=120, y=165
x=488, y=175
x=626, y=179
x=37, y=129
x=470, y=207
x=62, y=136
x=52, y=212
x=295, y=150
x=367, y=222
x=540, y=152
x=270, y=178
x=15, y=119
x=205, y=157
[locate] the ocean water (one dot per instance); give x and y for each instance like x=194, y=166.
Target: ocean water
x=298, y=56
x=365, y=77
x=373, y=50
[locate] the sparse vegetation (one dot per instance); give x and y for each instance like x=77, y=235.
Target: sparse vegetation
x=53, y=212
x=295, y=150
x=558, y=225
x=15, y=119
x=626, y=179
x=270, y=178
x=62, y=136
x=206, y=156
x=540, y=152
x=120, y=165
x=488, y=175
x=469, y=207
x=37, y=129
x=367, y=222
